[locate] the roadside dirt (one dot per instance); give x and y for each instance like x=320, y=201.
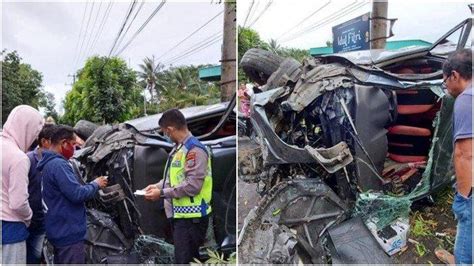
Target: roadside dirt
x=432, y=226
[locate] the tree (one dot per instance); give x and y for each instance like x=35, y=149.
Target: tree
x=21, y=84
x=47, y=101
x=249, y=38
x=181, y=87
x=148, y=73
x=106, y=92
x=274, y=46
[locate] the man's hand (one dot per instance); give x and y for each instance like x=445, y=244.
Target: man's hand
x=101, y=181
x=152, y=193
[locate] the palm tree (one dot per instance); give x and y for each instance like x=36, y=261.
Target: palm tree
x=148, y=74
x=274, y=46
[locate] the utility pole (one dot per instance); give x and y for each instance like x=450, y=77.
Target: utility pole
x=379, y=24
x=228, y=70
x=73, y=79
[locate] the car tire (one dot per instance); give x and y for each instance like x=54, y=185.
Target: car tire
x=84, y=129
x=289, y=70
x=98, y=134
x=259, y=64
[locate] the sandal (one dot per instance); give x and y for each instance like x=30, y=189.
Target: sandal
x=444, y=256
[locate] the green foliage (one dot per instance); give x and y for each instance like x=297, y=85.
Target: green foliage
x=216, y=258
x=21, y=84
x=47, y=101
x=420, y=249
x=106, y=92
x=248, y=38
x=181, y=87
x=422, y=226
x=148, y=75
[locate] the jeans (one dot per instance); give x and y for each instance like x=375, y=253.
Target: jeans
x=462, y=208
x=72, y=254
x=14, y=253
x=34, y=247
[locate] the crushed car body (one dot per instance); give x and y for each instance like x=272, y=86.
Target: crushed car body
x=123, y=227
x=339, y=141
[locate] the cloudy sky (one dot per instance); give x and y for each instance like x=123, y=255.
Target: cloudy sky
x=46, y=35
x=417, y=19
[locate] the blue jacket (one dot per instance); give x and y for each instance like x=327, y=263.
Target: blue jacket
x=34, y=190
x=63, y=197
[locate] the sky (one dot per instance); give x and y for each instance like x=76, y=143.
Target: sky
x=46, y=35
x=426, y=20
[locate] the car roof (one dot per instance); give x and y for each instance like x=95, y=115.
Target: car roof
x=150, y=122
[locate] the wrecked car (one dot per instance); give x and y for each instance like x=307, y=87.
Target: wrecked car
x=341, y=141
x=123, y=227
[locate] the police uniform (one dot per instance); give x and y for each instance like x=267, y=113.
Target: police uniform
x=187, y=190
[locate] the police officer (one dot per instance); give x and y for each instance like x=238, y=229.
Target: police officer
x=186, y=187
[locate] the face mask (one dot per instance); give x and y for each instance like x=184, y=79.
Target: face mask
x=68, y=152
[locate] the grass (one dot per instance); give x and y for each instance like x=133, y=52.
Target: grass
x=422, y=226
x=420, y=250
x=217, y=258
x=444, y=197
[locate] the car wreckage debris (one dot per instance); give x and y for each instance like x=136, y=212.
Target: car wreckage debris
x=335, y=123
x=292, y=210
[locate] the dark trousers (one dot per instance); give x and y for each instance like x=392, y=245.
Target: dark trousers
x=72, y=254
x=188, y=236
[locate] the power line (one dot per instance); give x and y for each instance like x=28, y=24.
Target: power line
x=130, y=24
x=196, y=46
x=318, y=22
x=261, y=13
x=304, y=19
x=337, y=17
x=331, y=18
x=197, y=49
x=248, y=13
x=143, y=26
x=92, y=30
x=85, y=32
x=101, y=27
x=131, y=7
x=80, y=33
x=253, y=11
x=190, y=35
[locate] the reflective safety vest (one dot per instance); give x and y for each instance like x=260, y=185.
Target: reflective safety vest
x=198, y=205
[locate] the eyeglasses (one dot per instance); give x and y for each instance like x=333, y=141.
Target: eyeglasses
x=443, y=85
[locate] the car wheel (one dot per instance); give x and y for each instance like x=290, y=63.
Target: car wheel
x=98, y=134
x=84, y=129
x=289, y=70
x=259, y=64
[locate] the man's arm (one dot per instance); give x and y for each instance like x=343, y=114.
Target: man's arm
x=463, y=135
x=18, y=189
x=195, y=171
x=69, y=186
x=463, y=165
